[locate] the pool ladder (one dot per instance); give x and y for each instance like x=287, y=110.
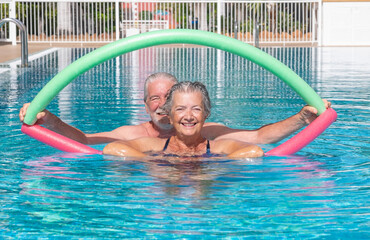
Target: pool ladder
x=24, y=38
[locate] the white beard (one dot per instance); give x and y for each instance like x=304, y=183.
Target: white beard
x=161, y=125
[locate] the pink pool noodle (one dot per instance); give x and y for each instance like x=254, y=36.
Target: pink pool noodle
x=306, y=136
x=56, y=140
x=289, y=147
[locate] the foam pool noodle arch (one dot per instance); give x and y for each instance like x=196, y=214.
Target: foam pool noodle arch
x=185, y=36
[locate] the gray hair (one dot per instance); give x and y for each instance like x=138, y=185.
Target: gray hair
x=156, y=76
x=188, y=86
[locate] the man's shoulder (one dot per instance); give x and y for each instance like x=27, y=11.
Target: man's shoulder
x=140, y=127
x=132, y=131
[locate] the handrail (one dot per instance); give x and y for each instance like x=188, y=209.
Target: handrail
x=24, y=38
x=256, y=34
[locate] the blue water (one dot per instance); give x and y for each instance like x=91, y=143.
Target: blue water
x=320, y=193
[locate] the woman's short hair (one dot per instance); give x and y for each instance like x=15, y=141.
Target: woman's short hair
x=188, y=86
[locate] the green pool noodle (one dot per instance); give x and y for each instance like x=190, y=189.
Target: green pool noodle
x=174, y=36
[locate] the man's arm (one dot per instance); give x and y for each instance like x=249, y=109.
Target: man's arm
x=55, y=124
x=270, y=133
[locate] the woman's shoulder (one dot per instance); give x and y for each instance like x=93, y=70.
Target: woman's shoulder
x=219, y=146
x=222, y=142
x=236, y=148
x=226, y=145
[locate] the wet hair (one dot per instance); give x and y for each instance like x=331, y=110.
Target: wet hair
x=186, y=87
x=154, y=77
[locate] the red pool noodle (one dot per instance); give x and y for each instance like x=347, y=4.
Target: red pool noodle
x=56, y=140
x=306, y=136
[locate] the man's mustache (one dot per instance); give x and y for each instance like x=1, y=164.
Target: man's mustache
x=161, y=111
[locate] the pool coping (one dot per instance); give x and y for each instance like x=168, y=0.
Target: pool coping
x=11, y=52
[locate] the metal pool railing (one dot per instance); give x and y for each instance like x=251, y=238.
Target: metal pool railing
x=85, y=21
x=24, y=41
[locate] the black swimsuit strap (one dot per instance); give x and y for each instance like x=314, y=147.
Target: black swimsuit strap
x=166, y=144
x=208, y=147
x=168, y=141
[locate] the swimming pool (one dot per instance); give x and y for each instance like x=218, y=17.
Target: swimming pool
x=321, y=192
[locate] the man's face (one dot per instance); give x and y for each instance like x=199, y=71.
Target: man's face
x=157, y=95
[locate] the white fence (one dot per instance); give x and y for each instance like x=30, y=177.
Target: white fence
x=105, y=21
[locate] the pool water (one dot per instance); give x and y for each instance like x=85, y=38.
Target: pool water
x=321, y=192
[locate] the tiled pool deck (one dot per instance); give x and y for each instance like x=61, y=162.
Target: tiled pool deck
x=8, y=52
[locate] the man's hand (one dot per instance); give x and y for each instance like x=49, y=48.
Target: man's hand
x=42, y=117
x=308, y=113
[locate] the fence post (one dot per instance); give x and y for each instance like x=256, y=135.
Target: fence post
x=12, y=27
x=118, y=30
x=319, y=22
x=219, y=9
x=256, y=34
x=236, y=30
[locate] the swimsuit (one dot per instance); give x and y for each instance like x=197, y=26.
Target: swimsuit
x=208, y=153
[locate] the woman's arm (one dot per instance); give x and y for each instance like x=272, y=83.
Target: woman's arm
x=267, y=134
x=121, y=148
x=251, y=151
x=134, y=148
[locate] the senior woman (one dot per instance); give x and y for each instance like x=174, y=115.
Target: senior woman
x=188, y=106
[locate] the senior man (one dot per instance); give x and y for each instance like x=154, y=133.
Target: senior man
x=156, y=88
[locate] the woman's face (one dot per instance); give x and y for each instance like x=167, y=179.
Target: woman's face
x=187, y=113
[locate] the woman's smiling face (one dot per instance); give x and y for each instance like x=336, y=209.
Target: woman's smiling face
x=187, y=113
